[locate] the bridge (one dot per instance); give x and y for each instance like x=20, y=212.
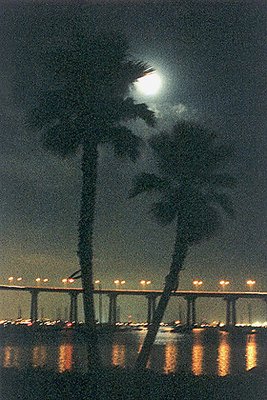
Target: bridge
x=189, y=295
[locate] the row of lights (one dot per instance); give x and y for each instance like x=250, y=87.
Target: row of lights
x=12, y=279
x=197, y=283
x=223, y=283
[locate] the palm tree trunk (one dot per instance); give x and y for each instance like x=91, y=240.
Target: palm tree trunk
x=85, y=247
x=171, y=284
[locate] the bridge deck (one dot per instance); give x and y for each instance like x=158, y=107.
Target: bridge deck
x=136, y=292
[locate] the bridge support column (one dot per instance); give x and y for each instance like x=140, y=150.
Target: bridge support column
x=151, y=306
x=112, y=315
x=73, y=317
x=230, y=311
x=34, y=305
x=234, y=312
x=193, y=303
x=191, y=311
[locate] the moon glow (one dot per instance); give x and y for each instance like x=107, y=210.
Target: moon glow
x=149, y=84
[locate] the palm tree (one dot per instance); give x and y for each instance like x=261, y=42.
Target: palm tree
x=86, y=104
x=192, y=190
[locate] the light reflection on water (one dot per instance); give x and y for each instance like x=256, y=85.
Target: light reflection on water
x=172, y=352
x=171, y=355
x=251, y=352
x=224, y=353
x=118, y=354
x=197, y=353
x=11, y=356
x=65, y=354
x=39, y=354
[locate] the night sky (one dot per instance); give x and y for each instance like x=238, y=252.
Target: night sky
x=212, y=60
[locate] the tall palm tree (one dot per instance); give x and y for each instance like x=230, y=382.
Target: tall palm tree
x=192, y=191
x=86, y=104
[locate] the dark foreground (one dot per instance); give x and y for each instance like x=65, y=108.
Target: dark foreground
x=117, y=383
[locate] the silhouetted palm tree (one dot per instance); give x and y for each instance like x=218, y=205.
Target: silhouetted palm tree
x=192, y=192
x=84, y=106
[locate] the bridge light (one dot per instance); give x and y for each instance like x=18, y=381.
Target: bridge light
x=144, y=283
x=65, y=281
x=118, y=282
x=45, y=280
x=224, y=283
x=11, y=279
x=250, y=283
x=197, y=283
x=19, y=279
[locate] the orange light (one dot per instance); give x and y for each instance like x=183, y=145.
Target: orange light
x=197, y=283
x=224, y=283
x=71, y=280
x=119, y=282
x=143, y=282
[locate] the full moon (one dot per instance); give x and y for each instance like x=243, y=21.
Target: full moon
x=149, y=84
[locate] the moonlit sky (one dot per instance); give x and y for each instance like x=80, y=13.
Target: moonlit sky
x=212, y=62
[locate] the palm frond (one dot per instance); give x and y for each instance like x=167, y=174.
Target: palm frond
x=125, y=143
x=219, y=156
x=135, y=70
x=224, y=180
x=190, y=158
x=146, y=182
x=53, y=105
x=129, y=110
x=62, y=139
x=197, y=219
x=164, y=212
x=224, y=202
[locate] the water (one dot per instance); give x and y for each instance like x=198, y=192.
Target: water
x=200, y=352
